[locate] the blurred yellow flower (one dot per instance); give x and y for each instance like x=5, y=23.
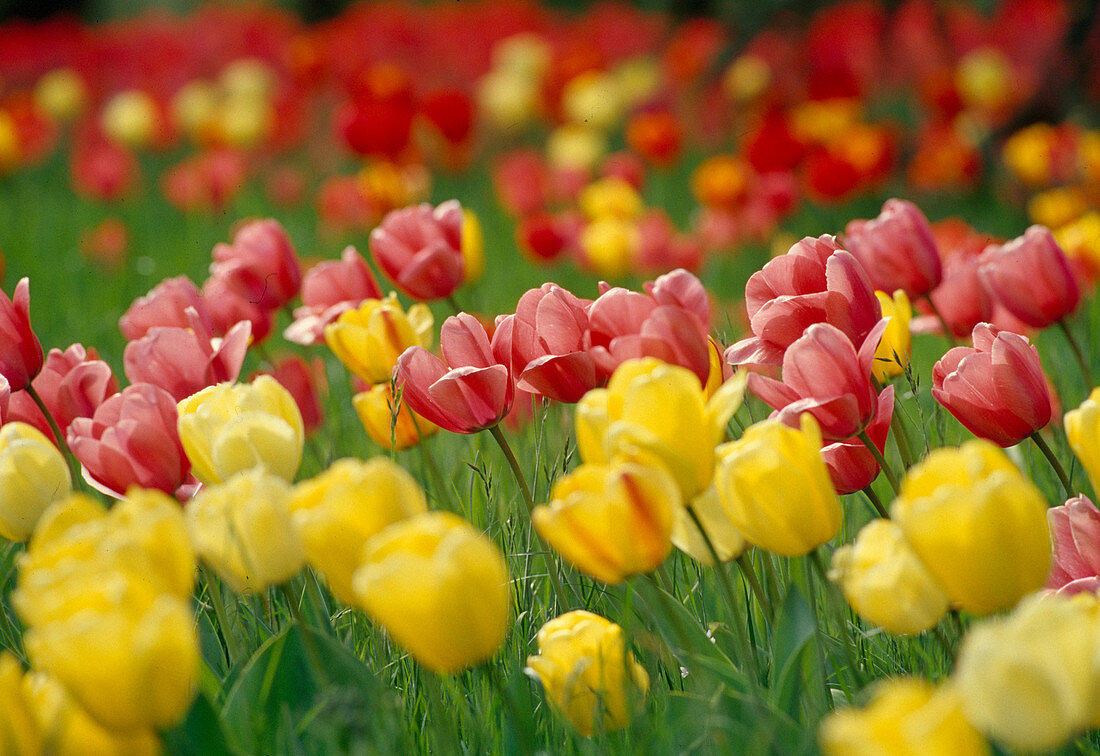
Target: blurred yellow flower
x=130, y=117
x=473, y=247
x=985, y=79
x=1083, y=433
x=609, y=245
x=722, y=535
x=375, y=409
x=370, y=339
x=892, y=354
x=1058, y=206
x=1027, y=154
x=19, y=732
x=575, y=146
x=61, y=93
x=33, y=474
x=610, y=197
x=592, y=98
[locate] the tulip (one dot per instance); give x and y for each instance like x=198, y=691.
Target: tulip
x=132, y=440
x=242, y=528
x=608, y=246
x=185, y=360
x=959, y=299
x=33, y=474
x=473, y=248
x=611, y=521
x=897, y=249
x=368, y=340
x=825, y=376
x=1031, y=679
x=439, y=587
x=21, y=355
x=1031, y=277
x=904, y=717
x=261, y=264
x=227, y=306
x=71, y=384
x=775, y=488
x=1083, y=431
x=709, y=533
x=587, y=672
x=892, y=355
x=420, y=249
x=852, y=466
x=996, y=389
x=329, y=289
x=304, y=381
x=19, y=730
x=230, y=428
x=165, y=306
x=885, y=583
x=659, y=409
x=390, y=426
x=1075, y=531
x=340, y=509
x=543, y=344
x=469, y=391
x=978, y=524
x=815, y=282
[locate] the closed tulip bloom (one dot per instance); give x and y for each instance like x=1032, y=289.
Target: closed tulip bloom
x=33, y=474
x=337, y=511
x=21, y=355
x=370, y=338
x=661, y=410
x=165, y=306
x=978, y=524
x=468, y=390
x=391, y=431
x=329, y=289
x=892, y=355
x=885, y=583
x=1031, y=277
x=718, y=531
x=260, y=264
x=1082, y=427
x=473, y=248
x=587, y=673
x=440, y=588
x=851, y=464
x=904, y=717
x=19, y=730
x=132, y=440
x=1075, y=532
x=997, y=389
x=71, y=384
x=775, y=489
x=1031, y=680
x=305, y=381
x=419, y=248
x=611, y=521
x=230, y=428
x=897, y=249
x=242, y=528
x=815, y=282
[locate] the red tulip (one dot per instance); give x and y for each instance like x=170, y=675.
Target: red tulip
x=1031, y=277
x=132, y=441
x=21, y=354
x=1075, y=530
x=165, y=305
x=897, y=249
x=72, y=384
x=468, y=392
x=815, y=282
x=420, y=249
x=825, y=376
x=185, y=360
x=329, y=289
x=227, y=306
x=261, y=264
x=851, y=465
x=996, y=389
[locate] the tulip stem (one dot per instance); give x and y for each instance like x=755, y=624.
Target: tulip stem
x=901, y=439
x=454, y=304
x=70, y=458
x=502, y=442
x=876, y=502
x=862, y=435
x=1060, y=471
x=1086, y=372
x=947, y=332
x=754, y=583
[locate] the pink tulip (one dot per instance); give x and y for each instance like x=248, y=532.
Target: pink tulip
x=5, y=396
x=815, y=282
x=851, y=465
x=825, y=376
x=21, y=355
x=897, y=249
x=132, y=441
x=165, y=305
x=72, y=384
x=420, y=249
x=997, y=389
x=468, y=390
x=227, y=307
x=1075, y=531
x=1031, y=277
x=329, y=289
x=261, y=264
x=543, y=344
x=960, y=299
x=185, y=360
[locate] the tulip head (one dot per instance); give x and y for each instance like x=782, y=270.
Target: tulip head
x=33, y=474
x=21, y=354
x=1083, y=432
x=368, y=340
x=892, y=354
x=393, y=427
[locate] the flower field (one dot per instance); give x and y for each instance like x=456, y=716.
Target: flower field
x=484, y=377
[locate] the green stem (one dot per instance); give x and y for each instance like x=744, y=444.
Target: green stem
x=876, y=502
x=880, y=459
x=454, y=304
x=1082, y=363
x=70, y=458
x=217, y=600
x=754, y=583
x=948, y=334
x=316, y=659
x=901, y=439
x=770, y=575
x=1053, y=460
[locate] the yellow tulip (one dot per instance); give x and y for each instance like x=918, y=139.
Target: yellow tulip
x=775, y=487
x=1083, y=433
x=61, y=93
x=722, y=535
x=886, y=583
x=130, y=118
x=33, y=474
x=242, y=528
x=609, y=245
x=575, y=146
x=19, y=732
x=611, y=197
x=1031, y=679
x=230, y=428
x=978, y=524
x=473, y=247
x=375, y=409
x=905, y=717
x=892, y=354
x=440, y=588
x=587, y=673
x=337, y=511
x=592, y=98
x=370, y=339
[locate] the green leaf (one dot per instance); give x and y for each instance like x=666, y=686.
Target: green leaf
x=792, y=641
x=201, y=733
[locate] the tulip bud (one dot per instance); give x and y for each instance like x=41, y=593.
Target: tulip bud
x=1031, y=277
x=420, y=249
x=369, y=340
x=19, y=732
x=892, y=355
x=439, y=587
x=587, y=672
x=32, y=475
x=21, y=354
x=885, y=583
x=775, y=487
x=375, y=408
x=229, y=428
x=978, y=524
